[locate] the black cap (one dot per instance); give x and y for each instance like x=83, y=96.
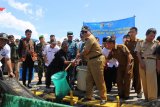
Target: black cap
x=110, y=39
x=104, y=39
x=52, y=35
x=3, y=36
x=126, y=36
x=70, y=33
x=10, y=36
x=85, y=28
x=158, y=38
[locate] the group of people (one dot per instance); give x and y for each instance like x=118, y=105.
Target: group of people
x=136, y=60
x=107, y=64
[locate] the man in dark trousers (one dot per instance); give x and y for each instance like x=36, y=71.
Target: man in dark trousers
x=110, y=69
x=26, y=53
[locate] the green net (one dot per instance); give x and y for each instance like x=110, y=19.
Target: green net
x=17, y=101
x=61, y=85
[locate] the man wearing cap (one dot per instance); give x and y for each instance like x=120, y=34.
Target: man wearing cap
x=125, y=68
x=5, y=53
x=39, y=64
x=26, y=51
x=48, y=53
x=95, y=66
x=71, y=55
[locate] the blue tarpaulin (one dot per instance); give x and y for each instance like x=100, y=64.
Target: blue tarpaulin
x=118, y=28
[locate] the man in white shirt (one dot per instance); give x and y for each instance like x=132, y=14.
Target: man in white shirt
x=5, y=53
x=49, y=52
x=110, y=69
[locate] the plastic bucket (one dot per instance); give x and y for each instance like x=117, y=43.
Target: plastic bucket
x=81, y=77
x=61, y=85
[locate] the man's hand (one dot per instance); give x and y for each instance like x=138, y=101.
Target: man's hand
x=9, y=65
x=11, y=74
x=128, y=68
x=158, y=66
x=73, y=63
x=142, y=65
x=45, y=59
x=78, y=61
x=78, y=56
x=158, y=69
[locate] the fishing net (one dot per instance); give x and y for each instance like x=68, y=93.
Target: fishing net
x=17, y=101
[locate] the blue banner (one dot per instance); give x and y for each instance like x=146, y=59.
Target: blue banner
x=119, y=28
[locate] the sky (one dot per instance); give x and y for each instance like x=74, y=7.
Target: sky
x=46, y=17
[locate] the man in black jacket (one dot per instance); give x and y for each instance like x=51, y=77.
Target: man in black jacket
x=60, y=61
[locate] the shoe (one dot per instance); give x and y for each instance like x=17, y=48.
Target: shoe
x=126, y=98
x=48, y=87
x=72, y=87
x=146, y=100
x=102, y=102
x=39, y=82
x=29, y=86
x=139, y=95
x=108, y=91
x=24, y=84
x=121, y=96
x=132, y=88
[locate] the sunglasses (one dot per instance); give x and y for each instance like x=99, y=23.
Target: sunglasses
x=83, y=32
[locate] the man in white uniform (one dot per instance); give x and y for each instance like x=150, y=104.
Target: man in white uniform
x=49, y=52
x=5, y=53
